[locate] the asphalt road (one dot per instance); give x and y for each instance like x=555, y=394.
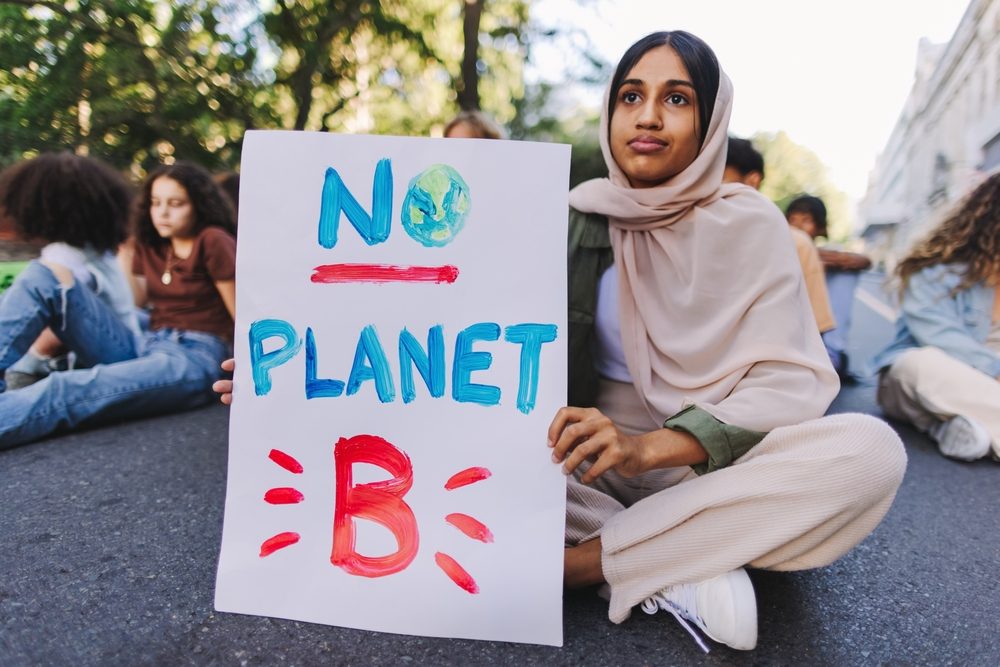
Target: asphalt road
x=109, y=541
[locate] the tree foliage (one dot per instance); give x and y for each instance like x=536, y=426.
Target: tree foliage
x=331, y=53
x=138, y=82
x=128, y=80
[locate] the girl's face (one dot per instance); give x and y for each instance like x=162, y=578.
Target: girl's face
x=655, y=129
x=170, y=209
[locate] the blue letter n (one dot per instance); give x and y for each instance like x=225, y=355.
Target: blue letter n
x=373, y=228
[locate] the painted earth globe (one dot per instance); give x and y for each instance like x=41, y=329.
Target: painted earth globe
x=436, y=206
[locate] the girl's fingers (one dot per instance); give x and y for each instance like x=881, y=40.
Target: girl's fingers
x=222, y=386
x=563, y=417
x=601, y=466
x=225, y=387
x=584, y=451
x=556, y=427
x=571, y=437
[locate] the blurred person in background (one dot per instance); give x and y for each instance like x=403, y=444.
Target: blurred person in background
x=941, y=373
x=473, y=125
x=183, y=264
x=229, y=181
x=79, y=208
x=744, y=164
x=808, y=213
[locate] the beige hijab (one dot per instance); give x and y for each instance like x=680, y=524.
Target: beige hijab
x=714, y=309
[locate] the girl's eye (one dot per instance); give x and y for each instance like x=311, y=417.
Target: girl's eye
x=629, y=97
x=676, y=98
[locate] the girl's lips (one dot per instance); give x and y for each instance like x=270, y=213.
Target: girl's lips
x=646, y=144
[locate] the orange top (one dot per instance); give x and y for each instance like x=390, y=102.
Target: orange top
x=812, y=269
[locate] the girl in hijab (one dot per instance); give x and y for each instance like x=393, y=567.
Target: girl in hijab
x=696, y=446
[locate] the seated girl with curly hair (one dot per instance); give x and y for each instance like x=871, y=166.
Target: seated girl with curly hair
x=942, y=371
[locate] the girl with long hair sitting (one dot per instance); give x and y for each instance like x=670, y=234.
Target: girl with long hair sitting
x=942, y=371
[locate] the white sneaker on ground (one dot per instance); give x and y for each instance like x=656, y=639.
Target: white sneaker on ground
x=724, y=607
x=961, y=438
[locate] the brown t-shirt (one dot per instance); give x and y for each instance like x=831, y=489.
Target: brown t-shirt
x=191, y=300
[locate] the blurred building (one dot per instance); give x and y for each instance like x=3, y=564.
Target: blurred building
x=946, y=140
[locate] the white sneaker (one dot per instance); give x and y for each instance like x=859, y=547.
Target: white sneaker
x=724, y=607
x=961, y=438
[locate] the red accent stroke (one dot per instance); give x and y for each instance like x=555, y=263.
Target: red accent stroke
x=456, y=572
x=279, y=541
x=285, y=461
x=466, y=477
x=383, y=273
x=284, y=495
x=471, y=527
x=381, y=502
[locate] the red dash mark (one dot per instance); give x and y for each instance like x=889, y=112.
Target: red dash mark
x=466, y=477
x=471, y=527
x=456, y=572
x=279, y=541
x=383, y=273
x=285, y=461
x=284, y=495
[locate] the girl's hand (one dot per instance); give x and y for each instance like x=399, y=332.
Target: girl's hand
x=579, y=434
x=225, y=387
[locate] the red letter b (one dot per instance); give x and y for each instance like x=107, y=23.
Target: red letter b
x=381, y=502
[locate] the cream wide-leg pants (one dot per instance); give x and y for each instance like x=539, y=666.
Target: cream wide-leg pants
x=803, y=497
x=926, y=385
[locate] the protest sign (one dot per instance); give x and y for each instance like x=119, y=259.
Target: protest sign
x=401, y=350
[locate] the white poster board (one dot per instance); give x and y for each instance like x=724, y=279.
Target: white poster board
x=400, y=351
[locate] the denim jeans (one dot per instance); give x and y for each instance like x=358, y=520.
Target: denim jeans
x=841, y=286
x=166, y=370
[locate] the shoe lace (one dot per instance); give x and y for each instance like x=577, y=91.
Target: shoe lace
x=680, y=604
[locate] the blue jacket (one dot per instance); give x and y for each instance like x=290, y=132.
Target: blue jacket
x=932, y=315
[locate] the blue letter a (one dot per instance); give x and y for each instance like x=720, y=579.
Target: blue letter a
x=373, y=228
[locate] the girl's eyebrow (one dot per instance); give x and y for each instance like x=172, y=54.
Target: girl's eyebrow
x=680, y=82
x=669, y=82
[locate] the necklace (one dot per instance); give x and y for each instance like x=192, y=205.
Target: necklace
x=166, y=278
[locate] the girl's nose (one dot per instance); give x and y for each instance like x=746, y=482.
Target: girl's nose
x=648, y=115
